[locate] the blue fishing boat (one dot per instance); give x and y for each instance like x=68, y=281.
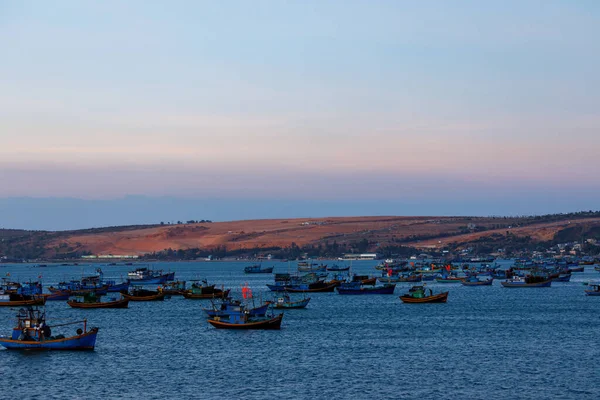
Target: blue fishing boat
x=475, y=281
x=258, y=269
x=117, y=287
x=32, y=333
x=285, y=302
x=229, y=306
x=356, y=288
x=528, y=282
x=285, y=280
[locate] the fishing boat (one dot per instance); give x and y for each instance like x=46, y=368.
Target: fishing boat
x=314, y=267
x=202, y=290
x=18, y=300
x=229, y=306
x=242, y=320
x=258, y=269
x=32, y=333
x=527, y=282
x=418, y=294
x=474, y=281
x=317, y=287
x=594, y=289
x=400, y=278
x=117, y=287
x=364, y=279
x=175, y=288
x=285, y=302
x=93, y=301
x=146, y=276
x=285, y=280
x=139, y=294
x=57, y=296
x=355, y=288
x=338, y=268
x=77, y=288
x=449, y=279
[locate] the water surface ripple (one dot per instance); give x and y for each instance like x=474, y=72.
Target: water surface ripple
x=485, y=343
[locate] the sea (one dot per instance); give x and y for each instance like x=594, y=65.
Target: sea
x=484, y=343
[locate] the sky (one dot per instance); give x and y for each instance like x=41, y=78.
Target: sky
x=300, y=108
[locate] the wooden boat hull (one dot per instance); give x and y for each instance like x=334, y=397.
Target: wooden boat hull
x=270, y=324
x=85, y=341
x=436, y=298
x=39, y=301
x=526, y=285
x=369, y=281
x=123, y=303
x=156, y=297
x=205, y=296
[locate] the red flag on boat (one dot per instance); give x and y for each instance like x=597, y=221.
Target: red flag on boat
x=246, y=292
x=448, y=267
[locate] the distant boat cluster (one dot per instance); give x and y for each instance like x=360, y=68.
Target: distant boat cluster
x=289, y=292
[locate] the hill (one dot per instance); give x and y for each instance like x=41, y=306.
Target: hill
x=339, y=234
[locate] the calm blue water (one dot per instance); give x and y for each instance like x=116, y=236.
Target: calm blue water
x=486, y=342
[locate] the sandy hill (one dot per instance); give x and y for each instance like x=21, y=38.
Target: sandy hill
x=413, y=231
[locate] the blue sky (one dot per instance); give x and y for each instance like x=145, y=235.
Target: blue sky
x=357, y=104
